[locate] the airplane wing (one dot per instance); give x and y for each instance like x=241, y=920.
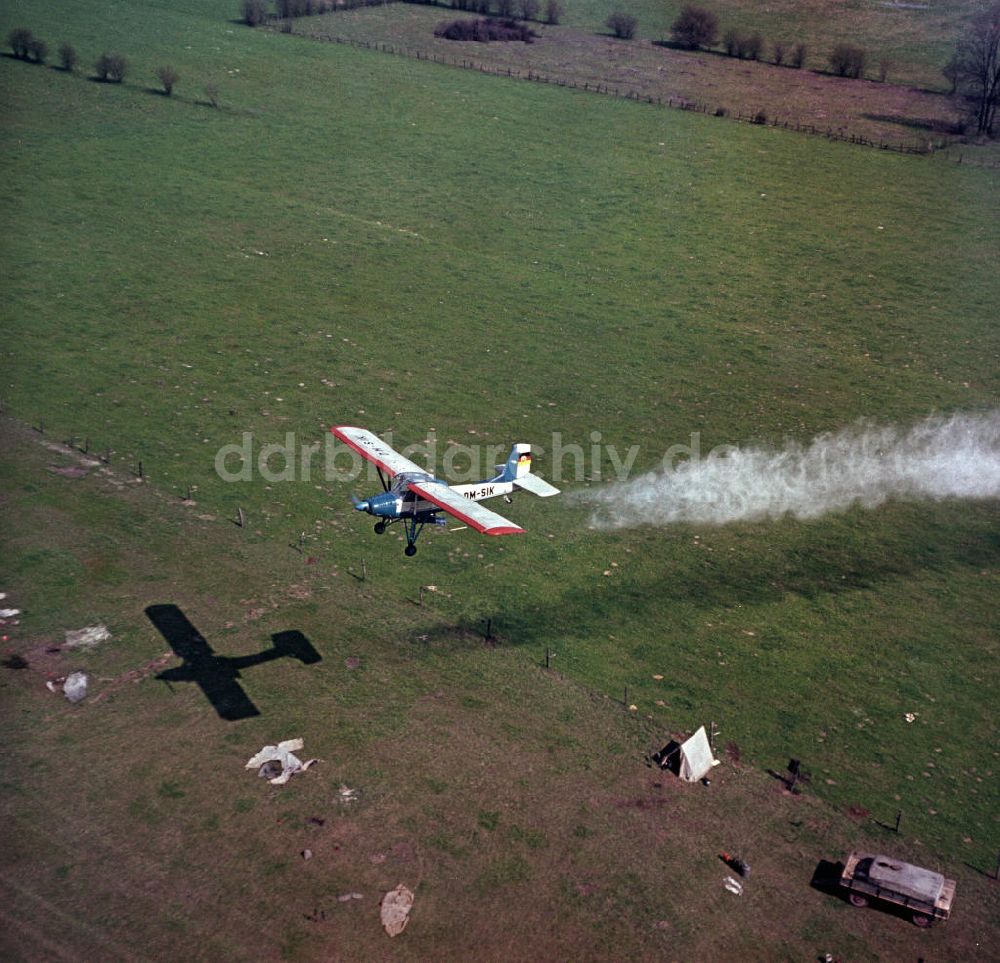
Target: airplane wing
x=372, y=447
x=465, y=509
x=535, y=485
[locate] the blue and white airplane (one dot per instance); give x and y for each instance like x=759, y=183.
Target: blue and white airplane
x=415, y=496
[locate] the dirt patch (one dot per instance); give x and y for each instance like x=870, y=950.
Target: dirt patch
x=135, y=675
x=733, y=752
x=70, y=471
x=858, y=813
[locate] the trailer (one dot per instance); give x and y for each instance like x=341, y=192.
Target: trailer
x=927, y=895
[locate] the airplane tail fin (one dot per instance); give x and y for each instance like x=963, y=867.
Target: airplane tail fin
x=518, y=463
x=518, y=471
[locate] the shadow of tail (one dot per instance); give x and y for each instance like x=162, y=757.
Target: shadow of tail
x=296, y=646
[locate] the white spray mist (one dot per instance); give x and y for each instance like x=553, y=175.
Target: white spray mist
x=865, y=464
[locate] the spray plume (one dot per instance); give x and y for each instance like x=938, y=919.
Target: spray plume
x=865, y=464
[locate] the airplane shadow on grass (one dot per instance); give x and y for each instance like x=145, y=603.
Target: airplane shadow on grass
x=217, y=674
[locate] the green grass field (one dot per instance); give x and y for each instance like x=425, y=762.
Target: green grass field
x=355, y=238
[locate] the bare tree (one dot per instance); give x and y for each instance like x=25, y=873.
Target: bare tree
x=751, y=47
x=977, y=69
x=622, y=25
x=38, y=50
x=20, y=42
x=695, y=27
x=950, y=71
x=67, y=57
x=111, y=68
x=529, y=9
x=253, y=12
x=846, y=60
x=168, y=77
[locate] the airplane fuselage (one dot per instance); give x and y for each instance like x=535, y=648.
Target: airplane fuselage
x=400, y=502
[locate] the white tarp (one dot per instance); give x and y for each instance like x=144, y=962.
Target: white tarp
x=88, y=637
x=284, y=755
x=915, y=881
x=75, y=686
x=395, y=909
x=696, y=757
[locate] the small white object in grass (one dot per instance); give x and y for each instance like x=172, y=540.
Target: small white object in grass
x=75, y=686
x=910, y=716
x=9, y=613
x=284, y=754
x=733, y=885
x=395, y=909
x=88, y=637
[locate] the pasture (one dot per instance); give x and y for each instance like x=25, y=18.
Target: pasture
x=355, y=238
x=916, y=37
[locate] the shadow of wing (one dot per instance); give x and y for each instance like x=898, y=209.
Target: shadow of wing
x=226, y=695
x=182, y=636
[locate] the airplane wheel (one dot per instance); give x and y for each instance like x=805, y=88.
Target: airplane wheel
x=921, y=920
x=858, y=900
x=410, y=550
x=379, y=528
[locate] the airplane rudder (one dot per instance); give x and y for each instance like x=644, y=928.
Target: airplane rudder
x=519, y=462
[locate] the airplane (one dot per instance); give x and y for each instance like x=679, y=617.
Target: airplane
x=217, y=674
x=415, y=497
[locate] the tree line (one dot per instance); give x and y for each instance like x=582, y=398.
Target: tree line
x=109, y=68
x=256, y=12
x=973, y=70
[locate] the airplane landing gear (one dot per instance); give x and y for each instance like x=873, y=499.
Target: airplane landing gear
x=414, y=526
x=379, y=528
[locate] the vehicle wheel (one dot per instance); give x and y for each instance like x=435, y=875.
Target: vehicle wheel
x=921, y=920
x=379, y=528
x=410, y=550
x=858, y=900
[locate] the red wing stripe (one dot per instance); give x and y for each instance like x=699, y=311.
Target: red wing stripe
x=451, y=509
